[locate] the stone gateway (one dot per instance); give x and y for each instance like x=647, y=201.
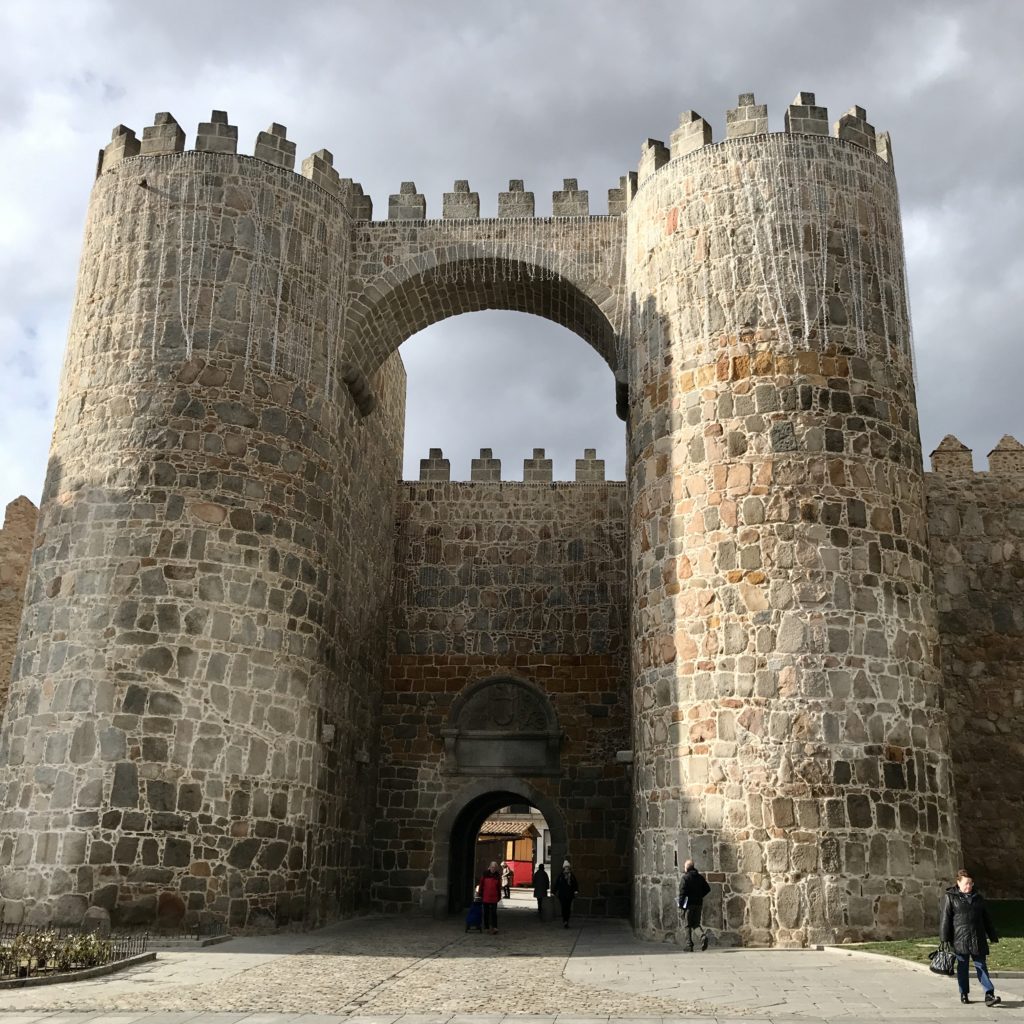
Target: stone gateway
x=259, y=679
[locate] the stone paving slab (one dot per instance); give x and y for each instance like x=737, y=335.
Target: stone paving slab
x=415, y=971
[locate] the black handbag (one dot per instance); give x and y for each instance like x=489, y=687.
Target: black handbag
x=943, y=960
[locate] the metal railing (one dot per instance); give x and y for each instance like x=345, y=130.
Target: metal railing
x=28, y=951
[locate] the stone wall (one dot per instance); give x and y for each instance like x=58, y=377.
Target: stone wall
x=976, y=526
x=203, y=638
x=208, y=715
x=788, y=731
x=506, y=580
x=15, y=555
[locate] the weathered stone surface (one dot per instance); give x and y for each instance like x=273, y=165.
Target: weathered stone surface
x=976, y=538
x=519, y=588
x=783, y=621
x=208, y=715
x=19, y=527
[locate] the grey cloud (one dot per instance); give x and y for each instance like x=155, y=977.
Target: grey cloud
x=444, y=90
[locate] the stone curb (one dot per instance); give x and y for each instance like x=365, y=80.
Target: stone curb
x=1006, y=975
x=853, y=951
x=89, y=972
x=186, y=945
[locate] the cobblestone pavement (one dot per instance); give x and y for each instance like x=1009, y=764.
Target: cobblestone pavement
x=413, y=971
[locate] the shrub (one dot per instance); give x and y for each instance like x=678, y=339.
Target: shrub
x=47, y=949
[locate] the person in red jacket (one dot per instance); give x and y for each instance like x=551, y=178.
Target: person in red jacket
x=489, y=887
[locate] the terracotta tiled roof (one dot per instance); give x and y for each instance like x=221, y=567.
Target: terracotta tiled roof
x=504, y=827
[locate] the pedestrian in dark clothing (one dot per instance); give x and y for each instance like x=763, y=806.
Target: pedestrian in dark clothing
x=540, y=887
x=490, y=893
x=693, y=887
x=966, y=926
x=565, y=888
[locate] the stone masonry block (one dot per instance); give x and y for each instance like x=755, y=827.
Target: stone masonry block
x=1007, y=456
x=853, y=127
x=693, y=133
x=515, y=202
x=746, y=118
x=619, y=198
x=216, y=135
x=570, y=200
x=804, y=117
x=359, y=204
x=883, y=147
x=486, y=468
x=123, y=144
x=163, y=136
x=407, y=203
x=273, y=147
x=537, y=470
x=953, y=458
x=319, y=168
x=653, y=154
x=461, y=204
x=435, y=468
x=589, y=469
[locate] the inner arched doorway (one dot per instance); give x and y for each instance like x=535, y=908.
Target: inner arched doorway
x=458, y=826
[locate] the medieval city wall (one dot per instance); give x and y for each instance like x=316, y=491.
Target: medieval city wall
x=15, y=554
x=259, y=679
x=976, y=530
x=498, y=579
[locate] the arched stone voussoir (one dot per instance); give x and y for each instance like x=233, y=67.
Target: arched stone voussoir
x=467, y=277
x=479, y=793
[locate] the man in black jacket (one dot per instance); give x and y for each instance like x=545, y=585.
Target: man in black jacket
x=693, y=887
x=540, y=887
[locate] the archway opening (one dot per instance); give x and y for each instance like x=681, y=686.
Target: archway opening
x=465, y=852
x=511, y=382
x=516, y=837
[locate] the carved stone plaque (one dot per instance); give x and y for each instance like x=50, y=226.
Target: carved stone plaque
x=501, y=726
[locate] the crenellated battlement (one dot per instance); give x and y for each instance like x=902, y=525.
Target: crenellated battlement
x=537, y=468
x=954, y=460
x=748, y=118
x=166, y=136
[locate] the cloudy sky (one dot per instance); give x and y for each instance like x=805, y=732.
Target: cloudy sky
x=434, y=90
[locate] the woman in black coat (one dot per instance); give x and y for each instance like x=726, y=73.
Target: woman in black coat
x=565, y=888
x=966, y=926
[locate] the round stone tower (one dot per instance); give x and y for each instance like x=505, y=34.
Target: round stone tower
x=177, y=741
x=788, y=732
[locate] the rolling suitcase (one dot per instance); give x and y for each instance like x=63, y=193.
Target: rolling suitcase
x=475, y=916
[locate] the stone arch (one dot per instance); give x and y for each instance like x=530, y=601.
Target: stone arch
x=499, y=725
x=449, y=886
x=451, y=280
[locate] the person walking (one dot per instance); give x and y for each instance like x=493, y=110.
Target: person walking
x=490, y=893
x=565, y=888
x=693, y=887
x=966, y=926
x=507, y=877
x=540, y=887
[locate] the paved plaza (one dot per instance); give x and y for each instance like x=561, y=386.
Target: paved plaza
x=415, y=971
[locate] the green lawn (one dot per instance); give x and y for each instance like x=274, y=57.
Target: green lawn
x=1008, y=955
